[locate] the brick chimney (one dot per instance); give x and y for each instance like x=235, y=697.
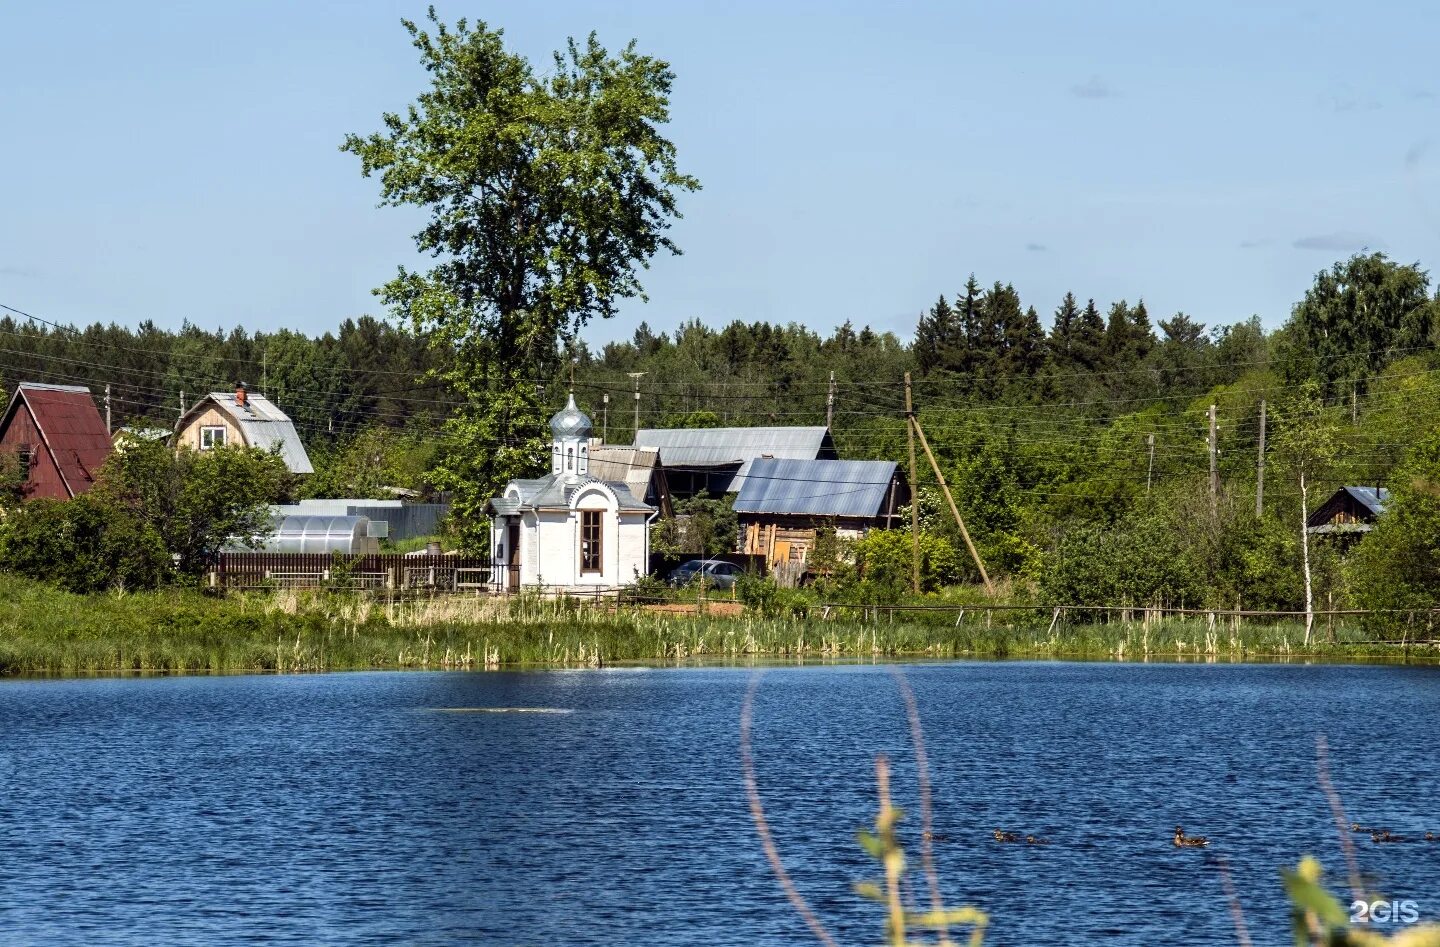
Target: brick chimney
x=240, y=398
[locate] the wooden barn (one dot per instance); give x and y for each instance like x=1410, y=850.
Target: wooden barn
x=783, y=502
x=59, y=437
x=1350, y=512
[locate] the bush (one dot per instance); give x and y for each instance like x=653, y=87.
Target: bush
x=883, y=561
x=83, y=545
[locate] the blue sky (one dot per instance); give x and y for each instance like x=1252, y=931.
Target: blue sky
x=179, y=160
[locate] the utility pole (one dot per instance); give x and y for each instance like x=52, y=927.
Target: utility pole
x=605, y=416
x=1214, y=468
x=955, y=510
x=264, y=373
x=914, y=493
x=830, y=403
x=109, y=428
x=1260, y=467
x=181, y=416
x=1354, y=406
x=637, y=376
x=1150, y=470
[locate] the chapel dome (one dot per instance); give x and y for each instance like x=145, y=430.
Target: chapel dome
x=571, y=421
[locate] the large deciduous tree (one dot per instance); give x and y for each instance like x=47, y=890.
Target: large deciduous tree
x=546, y=193
x=1357, y=317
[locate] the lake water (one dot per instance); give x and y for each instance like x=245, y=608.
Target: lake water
x=348, y=809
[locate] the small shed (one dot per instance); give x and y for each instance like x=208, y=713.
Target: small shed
x=58, y=437
x=1349, y=511
x=784, y=502
x=717, y=460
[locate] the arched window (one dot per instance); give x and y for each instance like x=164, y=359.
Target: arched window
x=569, y=458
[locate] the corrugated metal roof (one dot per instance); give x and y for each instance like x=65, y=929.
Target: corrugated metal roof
x=1372, y=498
x=682, y=448
x=264, y=425
x=632, y=466
x=857, y=488
x=72, y=427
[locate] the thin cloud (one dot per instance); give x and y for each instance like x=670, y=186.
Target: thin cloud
x=1036, y=247
x=1093, y=88
x=1252, y=244
x=1342, y=105
x=1416, y=154
x=1338, y=242
x=20, y=272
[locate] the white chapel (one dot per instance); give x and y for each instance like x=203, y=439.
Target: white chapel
x=568, y=531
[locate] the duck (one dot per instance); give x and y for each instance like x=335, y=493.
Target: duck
x=1432, y=837
x=1357, y=827
x=1189, y=841
x=1036, y=840
x=1005, y=836
x=1385, y=835
x=935, y=836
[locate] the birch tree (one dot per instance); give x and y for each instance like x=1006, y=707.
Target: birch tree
x=1304, y=450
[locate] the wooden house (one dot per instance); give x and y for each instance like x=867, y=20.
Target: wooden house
x=782, y=504
x=1350, y=512
x=222, y=418
x=717, y=460
x=58, y=436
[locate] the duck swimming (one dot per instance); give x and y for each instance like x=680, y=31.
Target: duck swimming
x=935, y=836
x=1036, y=840
x=1005, y=836
x=1385, y=835
x=1189, y=841
x=1357, y=827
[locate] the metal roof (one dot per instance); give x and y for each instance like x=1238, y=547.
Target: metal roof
x=263, y=425
x=1372, y=498
x=632, y=466
x=554, y=491
x=856, y=488
x=72, y=427
x=725, y=446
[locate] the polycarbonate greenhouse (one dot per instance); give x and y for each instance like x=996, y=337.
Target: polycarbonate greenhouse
x=344, y=534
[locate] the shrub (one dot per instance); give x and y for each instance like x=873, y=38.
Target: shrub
x=83, y=545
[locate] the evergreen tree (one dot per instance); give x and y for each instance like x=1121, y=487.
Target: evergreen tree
x=1062, y=333
x=1088, y=340
x=934, y=331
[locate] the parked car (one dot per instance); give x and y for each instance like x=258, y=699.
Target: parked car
x=716, y=573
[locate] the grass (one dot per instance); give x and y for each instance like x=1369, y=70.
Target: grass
x=44, y=630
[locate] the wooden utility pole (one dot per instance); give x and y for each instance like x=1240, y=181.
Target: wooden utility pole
x=182, y=407
x=1260, y=466
x=914, y=492
x=964, y=533
x=637, y=376
x=1150, y=469
x=109, y=428
x=1354, y=405
x=605, y=417
x=830, y=403
x=1214, y=467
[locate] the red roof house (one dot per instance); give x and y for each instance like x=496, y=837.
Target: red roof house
x=59, y=436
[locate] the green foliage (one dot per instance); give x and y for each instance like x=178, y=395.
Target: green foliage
x=763, y=597
x=701, y=527
x=546, y=193
x=1355, y=319
x=87, y=544
x=883, y=561
x=362, y=466
x=1397, y=564
x=196, y=501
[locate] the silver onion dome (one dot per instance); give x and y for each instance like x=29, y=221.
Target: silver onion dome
x=571, y=421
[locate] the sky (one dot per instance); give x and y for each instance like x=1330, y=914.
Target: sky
x=172, y=161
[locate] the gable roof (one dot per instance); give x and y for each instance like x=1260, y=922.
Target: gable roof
x=554, y=492
x=71, y=426
x=855, y=488
x=262, y=424
x=637, y=467
x=1371, y=499
x=730, y=446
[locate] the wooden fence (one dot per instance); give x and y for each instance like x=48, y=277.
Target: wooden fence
x=393, y=571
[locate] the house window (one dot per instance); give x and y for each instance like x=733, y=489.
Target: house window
x=212, y=436
x=590, y=541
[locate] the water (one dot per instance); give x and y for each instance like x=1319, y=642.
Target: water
x=345, y=809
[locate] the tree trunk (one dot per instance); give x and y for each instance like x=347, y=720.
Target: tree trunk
x=1305, y=556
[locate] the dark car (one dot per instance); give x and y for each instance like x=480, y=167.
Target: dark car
x=716, y=573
